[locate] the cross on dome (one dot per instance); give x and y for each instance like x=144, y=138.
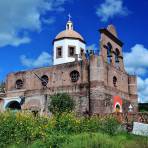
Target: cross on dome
x=69, y=25
x=69, y=17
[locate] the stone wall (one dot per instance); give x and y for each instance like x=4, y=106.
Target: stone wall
x=95, y=87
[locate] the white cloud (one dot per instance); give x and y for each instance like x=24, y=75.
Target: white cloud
x=142, y=89
x=111, y=8
x=19, y=16
x=48, y=21
x=44, y=59
x=136, y=61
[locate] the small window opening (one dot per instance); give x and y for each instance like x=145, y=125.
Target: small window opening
x=68, y=26
x=19, y=84
x=114, y=81
x=59, y=52
x=74, y=76
x=44, y=80
x=71, y=51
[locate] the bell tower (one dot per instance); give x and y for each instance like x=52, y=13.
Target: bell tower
x=111, y=47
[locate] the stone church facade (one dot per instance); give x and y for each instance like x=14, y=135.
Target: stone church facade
x=98, y=83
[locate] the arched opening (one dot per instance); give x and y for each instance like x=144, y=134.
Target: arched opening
x=114, y=81
x=109, y=55
x=74, y=76
x=117, y=53
x=14, y=105
x=118, y=108
x=44, y=80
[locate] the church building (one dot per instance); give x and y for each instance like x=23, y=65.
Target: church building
x=98, y=83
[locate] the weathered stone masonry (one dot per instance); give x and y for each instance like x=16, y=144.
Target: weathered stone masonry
x=101, y=79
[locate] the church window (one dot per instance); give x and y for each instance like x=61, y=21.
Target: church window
x=117, y=53
x=59, y=52
x=114, y=81
x=74, y=76
x=68, y=26
x=19, y=84
x=44, y=80
x=71, y=50
x=109, y=55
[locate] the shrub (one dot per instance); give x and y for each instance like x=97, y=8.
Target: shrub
x=21, y=127
x=109, y=125
x=90, y=124
x=67, y=123
x=61, y=102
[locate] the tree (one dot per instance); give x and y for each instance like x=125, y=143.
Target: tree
x=2, y=87
x=61, y=102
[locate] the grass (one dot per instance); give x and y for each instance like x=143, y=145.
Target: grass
x=99, y=140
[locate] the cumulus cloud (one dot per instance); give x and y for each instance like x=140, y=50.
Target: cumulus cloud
x=43, y=59
x=111, y=8
x=142, y=89
x=136, y=61
x=19, y=16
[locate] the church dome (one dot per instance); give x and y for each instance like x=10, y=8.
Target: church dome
x=69, y=33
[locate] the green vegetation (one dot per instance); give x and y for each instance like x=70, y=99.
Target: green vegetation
x=61, y=102
x=64, y=129
x=2, y=87
x=22, y=129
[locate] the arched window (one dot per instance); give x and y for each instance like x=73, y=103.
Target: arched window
x=68, y=26
x=114, y=81
x=117, y=53
x=74, y=76
x=44, y=80
x=19, y=84
x=109, y=55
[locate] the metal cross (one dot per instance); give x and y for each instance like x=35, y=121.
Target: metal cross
x=69, y=17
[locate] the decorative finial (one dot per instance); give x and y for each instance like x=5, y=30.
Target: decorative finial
x=69, y=17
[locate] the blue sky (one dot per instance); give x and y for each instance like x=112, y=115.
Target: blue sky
x=27, y=28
